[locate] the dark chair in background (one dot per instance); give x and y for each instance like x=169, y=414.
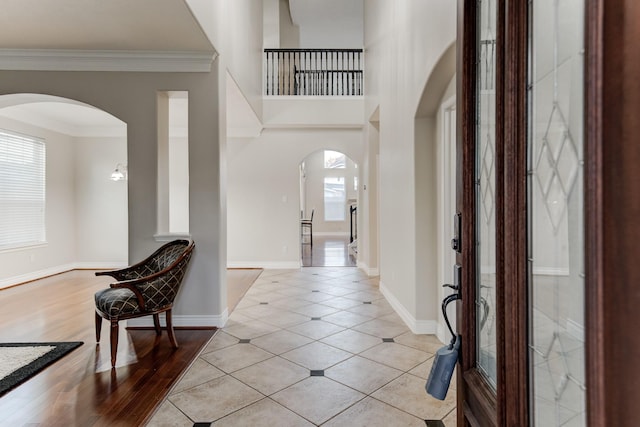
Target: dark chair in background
x=307, y=224
x=146, y=288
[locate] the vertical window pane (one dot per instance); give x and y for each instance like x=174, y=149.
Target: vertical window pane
x=334, y=199
x=555, y=212
x=485, y=193
x=22, y=190
x=334, y=160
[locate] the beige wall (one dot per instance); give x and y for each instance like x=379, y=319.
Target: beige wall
x=404, y=41
x=102, y=229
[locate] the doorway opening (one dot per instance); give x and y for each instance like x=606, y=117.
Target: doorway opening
x=82, y=219
x=328, y=210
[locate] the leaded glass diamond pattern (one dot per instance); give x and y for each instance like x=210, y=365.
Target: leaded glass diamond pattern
x=544, y=171
x=486, y=178
x=557, y=166
x=556, y=364
x=485, y=194
x=555, y=210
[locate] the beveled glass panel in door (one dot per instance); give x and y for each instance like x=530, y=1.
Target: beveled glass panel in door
x=555, y=212
x=486, y=192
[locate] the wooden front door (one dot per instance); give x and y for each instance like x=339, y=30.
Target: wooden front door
x=480, y=204
x=521, y=197
x=549, y=197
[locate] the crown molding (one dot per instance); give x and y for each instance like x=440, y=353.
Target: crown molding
x=105, y=60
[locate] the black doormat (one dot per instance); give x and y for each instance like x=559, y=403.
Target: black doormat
x=26, y=371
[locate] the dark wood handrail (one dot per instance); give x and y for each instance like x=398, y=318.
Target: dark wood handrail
x=312, y=50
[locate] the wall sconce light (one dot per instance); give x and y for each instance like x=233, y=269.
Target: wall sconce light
x=120, y=174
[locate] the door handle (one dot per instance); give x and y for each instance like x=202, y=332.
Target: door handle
x=444, y=363
x=445, y=302
x=457, y=280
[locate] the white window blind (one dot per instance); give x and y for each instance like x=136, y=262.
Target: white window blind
x=22, y=190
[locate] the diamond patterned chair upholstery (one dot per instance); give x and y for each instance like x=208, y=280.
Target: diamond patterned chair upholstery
x=146, y=288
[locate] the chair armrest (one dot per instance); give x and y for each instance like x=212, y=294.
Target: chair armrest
x=114, y=273
x=128, y=273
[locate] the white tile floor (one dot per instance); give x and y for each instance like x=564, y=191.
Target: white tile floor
x=314, y=356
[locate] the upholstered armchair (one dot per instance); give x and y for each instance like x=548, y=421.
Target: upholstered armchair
x=146, y=288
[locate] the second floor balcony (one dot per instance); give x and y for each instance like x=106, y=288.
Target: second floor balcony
x=314, y=72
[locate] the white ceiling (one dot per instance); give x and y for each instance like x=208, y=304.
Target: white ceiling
x=112, y=25
x=325, y=12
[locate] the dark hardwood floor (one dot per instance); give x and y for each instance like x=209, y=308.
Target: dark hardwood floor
x=327, y=251
x=81, y=389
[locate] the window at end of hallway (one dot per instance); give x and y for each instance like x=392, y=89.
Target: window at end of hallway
x=334, y=198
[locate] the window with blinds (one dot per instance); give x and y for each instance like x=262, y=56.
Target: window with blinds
x=22, y=190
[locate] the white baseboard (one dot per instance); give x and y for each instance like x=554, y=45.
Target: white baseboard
x=267, y=265
x=417, y=326
x=575, y=329
x=35, y=275
x=184, y=321
x=371, y=272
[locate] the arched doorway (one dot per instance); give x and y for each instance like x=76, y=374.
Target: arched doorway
x=85, y=210
x=329, y=209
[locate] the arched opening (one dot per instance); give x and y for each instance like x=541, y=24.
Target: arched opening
x=328, y=209
x=85, y=207
x=435, y=189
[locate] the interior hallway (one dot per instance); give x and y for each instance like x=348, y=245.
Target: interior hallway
x=311, y=346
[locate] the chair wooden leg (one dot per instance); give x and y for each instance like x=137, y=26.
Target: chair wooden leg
x=156, y=324
x=114, y=342
x=311, y=234
x=172, y=335
x=98, y=326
